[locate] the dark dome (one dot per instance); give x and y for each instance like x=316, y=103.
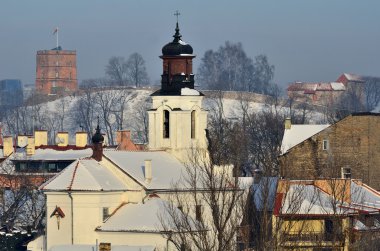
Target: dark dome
x=97, y=137
x=177, y=47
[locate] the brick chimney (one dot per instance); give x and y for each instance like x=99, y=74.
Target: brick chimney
x=80, y=139
x=30, y=148
x=40, y=138
x=288, y=123
x=8, y=146
x=148, y=170
x=62, y=139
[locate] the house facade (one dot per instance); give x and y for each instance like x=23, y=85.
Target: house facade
x=347, y=149
x=331, y=214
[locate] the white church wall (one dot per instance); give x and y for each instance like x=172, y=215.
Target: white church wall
x=87, y=215
x=134, y=239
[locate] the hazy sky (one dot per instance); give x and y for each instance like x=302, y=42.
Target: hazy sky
x=306, y=40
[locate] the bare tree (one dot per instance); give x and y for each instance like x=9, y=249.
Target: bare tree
x=117, y=70
x=213, y=197
x=137, y=74
x=83, y=112
x=229, y=68
x=140, y=120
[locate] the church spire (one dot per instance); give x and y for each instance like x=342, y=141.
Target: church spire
x=97, y=141
x=177, y=36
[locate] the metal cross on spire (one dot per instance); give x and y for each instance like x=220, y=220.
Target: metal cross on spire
x=176, y=13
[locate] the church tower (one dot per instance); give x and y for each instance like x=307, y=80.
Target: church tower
x=177, y=121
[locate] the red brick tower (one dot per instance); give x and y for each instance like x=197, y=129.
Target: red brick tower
x=56, y=71
x=177, y=57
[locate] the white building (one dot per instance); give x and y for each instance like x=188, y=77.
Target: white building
x=117, y=198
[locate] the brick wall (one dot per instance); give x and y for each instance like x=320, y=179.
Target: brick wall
x=56, y=71
x=354, y=142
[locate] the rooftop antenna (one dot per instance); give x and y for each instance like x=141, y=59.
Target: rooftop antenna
x=55, y=32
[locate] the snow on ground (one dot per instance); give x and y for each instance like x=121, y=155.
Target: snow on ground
x=137, y=99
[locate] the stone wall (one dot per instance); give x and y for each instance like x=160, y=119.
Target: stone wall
x=353, y=143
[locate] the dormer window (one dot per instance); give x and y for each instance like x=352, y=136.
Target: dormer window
x=166, y=125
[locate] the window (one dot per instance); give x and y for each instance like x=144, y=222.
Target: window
x=193, y=124
x=325, y=144
x=22, y=167
x=105, y=213
x=57, y=63
x=346, y=173
x=198, y=212
x=166, y=131
x=52, y=167
x=56, y=74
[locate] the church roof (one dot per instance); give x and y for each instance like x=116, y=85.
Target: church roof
x=177, y=47
x=166, y=169
x=140, y=217
x=85, y=175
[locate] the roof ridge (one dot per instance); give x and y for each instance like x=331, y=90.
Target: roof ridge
x=72, y=180
x=55, y=176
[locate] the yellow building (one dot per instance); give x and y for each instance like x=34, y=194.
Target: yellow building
x=323, y=214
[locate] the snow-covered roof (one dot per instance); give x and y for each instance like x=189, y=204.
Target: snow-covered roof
x=337, y=86
x=354, y=77
x=310, y=199
x=78, y=247
x=245, y=182
x=189, y=92
x=166, y=169
x=141, y=217
x=85, y=175
x=52, y=154
x=297, y=134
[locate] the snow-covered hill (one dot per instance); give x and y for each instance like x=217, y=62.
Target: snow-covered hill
x=124, y=109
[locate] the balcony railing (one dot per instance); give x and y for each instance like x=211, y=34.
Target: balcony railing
x=313, y=237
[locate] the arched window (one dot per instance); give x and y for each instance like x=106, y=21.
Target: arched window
x=166, y=124
x=193, y=124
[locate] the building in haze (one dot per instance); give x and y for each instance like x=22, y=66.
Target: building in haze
x=56, y=71
x=10, y=93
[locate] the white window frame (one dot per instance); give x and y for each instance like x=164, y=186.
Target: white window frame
x=346, y=171
x=325, y=144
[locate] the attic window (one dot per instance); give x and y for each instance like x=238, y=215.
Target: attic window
x=166, y=130
x=105, y=213
x=346, y=173
x=325, y=144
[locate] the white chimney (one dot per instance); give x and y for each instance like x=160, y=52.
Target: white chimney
x=148, y=170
